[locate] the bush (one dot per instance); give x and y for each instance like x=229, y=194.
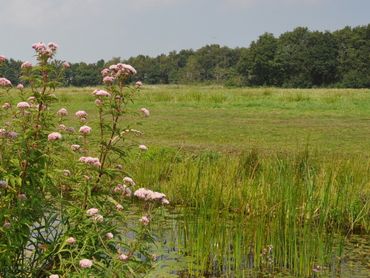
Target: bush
x=65, y=203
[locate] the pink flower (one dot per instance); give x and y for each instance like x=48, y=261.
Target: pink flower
x=12, y=134
x=119, y=207
x=165, y=201
x=98, y=102
x=62, y=112
x=23, y=105
x=20, y=86
x=75, y=147
x=128, y=180
x=31, y=99
x=138, y=84
x=71, y=240
x=70, y=129
x=86, y=263
x=123, y=257
x=118, y=188
x=3, y=184
x=4, y=133
x=39, y=46
x=109, y=235
x=94, y=161
x=127, y=68
x=149, y=195
x=97, y=218
x=105, y=72
x=144, y=220
x=5, y=82
x=6, y=105
x=101, y=93
x=108, y=80
x=145, y=112
x=81, y=114
x=2, y=58
x=54, y=136
x=6, y=224
x=143, y=193
x=113, y=67
x=66, y=173
x=92, y=211
x=62, y=127
x=66, y=65
x=85, y=130
x=22, y=197
x=143, y=147
x=54, y=276
x=26, y=65
x=52, y=46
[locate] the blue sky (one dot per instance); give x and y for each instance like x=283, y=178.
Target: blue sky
x=88, y=30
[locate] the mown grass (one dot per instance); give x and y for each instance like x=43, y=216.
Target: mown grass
x=231, y=120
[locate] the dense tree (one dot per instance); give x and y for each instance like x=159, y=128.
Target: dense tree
x=300, y=58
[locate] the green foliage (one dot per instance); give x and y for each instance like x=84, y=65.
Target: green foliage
x=60, y=211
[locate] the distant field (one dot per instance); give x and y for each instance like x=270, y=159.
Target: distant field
x=232, y=120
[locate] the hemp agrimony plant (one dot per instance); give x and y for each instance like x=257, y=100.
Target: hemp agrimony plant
x=67, y=206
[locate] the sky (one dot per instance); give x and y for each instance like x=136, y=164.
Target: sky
x=89, y=30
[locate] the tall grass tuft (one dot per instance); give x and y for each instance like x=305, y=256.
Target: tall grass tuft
x=261, y=212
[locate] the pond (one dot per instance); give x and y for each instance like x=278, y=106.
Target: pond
x=208, y=244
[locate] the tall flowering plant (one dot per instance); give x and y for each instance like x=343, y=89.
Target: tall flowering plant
x=67, y=206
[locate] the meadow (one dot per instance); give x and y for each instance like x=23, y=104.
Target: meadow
x=262, y=181
x=232, y=120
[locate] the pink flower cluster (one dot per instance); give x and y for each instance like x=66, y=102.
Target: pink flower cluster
x=75, y=147
x=66, y=65
x=145, y=220
x=6, y=105
x=54, y=136
x=94, y=161
x=71, y=240
x=143, y=148
x=101, y=93
x=86, y=263
x=62, y=112
x=120, y=188
x=92, y=211
x=2, y=58
x=43, y=50
x=85, y=130
x=8, y=134
x=128, y=180
x=149, y=195
x=5, y=82
x=117, y=71
x=23, y=105
x=145, y=112
x=108, y=80
x=82, y=115
x=20, y=86
x=123, y=257
x=26, y=65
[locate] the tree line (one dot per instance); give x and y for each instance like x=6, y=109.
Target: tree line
x=300, y=58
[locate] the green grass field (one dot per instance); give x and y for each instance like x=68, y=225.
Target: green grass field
x=232, y=120
x=253, y=168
